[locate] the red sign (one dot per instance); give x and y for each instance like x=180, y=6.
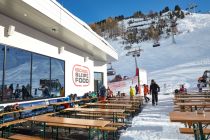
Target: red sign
x=81, y=75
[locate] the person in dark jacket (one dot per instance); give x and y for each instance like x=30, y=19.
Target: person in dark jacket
x=154, y=89
x=137, y=89
x=25, y=93
x=102, y=92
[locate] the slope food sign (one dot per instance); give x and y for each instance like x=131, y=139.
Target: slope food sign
x=81, y=75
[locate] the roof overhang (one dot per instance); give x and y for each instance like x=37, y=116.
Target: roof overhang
x=51, y=18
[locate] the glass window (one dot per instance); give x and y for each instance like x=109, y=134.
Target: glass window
x=1, y=70
x=57, y=77
x=17, y=75
x=25, y=75
x=40, y=76
x=98, y=80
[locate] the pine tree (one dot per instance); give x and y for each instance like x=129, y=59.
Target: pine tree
x=177, y=8
x=166, y=9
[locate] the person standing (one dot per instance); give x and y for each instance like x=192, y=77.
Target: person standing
x=146, y=91
x=154, y=89
x=102, y=92
x=109, y=93
x=132, y=92
x=137, y=89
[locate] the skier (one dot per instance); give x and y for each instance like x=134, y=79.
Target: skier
x=154, y=89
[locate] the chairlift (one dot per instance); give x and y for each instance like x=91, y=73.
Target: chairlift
x=111, y=72
x=156, y=44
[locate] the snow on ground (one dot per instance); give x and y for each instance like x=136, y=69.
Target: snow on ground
x=172, y=64
x=153, y=123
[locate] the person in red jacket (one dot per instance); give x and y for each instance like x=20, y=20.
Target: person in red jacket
x=146, y=91
x=182, y=89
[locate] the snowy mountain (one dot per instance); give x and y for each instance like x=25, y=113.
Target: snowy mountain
x=171, y=64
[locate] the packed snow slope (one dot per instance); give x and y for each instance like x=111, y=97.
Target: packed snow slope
x=172, y=64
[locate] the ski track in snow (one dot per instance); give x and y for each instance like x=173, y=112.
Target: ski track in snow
x=153, y=123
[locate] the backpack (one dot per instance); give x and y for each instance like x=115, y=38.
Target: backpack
x=8, y=108
x=176, y=91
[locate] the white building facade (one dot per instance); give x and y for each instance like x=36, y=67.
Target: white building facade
x=46, y=52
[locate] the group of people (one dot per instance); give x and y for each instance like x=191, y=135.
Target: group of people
x=17, y=92
x=105, y=93
x=153, y=90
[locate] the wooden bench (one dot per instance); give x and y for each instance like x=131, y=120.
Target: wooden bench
x=120, y=116
x=191, y=131
x=103, y=129
x=24, y=137
x=12, y=123
x=118, y=125
x=106, y=128
x=83, y=106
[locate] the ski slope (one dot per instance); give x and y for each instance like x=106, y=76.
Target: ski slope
x=172, y=64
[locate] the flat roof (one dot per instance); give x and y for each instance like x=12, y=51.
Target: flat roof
x=49, y=17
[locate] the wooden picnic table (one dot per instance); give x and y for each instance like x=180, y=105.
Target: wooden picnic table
x=194, y=98
x=64, y=102
x=69, y=121
x=127, y=97
x=110, y=105
x=114, y=112
x=3, y=139
x=73, y=101
x=192, y=118
x=88, y=99
x=192, y=95
x=193, y=104
x=95, y=110
x=22, y=110
x=191, y=99
x=135, y=104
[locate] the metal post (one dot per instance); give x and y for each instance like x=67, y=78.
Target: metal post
x=136, y=61
x=135, y=53
x=138, y=71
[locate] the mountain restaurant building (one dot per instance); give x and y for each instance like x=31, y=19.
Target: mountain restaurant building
x=43, y=45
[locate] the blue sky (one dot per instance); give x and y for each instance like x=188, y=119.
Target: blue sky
x=95, y=10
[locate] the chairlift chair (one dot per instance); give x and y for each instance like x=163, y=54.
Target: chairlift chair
x=111, y=72
x=156, y=44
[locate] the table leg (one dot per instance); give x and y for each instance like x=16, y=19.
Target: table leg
x=195, y=131
x=201, y=131
x=89, y=133
x=113, y=118
x=196, y=108
x=56, y=133
x=44, y=130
